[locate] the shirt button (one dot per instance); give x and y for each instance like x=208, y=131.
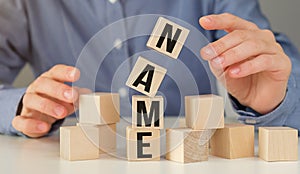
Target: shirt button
x=112, y=1
x=250, y=121
x=118, y=44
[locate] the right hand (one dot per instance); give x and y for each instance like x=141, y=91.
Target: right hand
x=47, y=100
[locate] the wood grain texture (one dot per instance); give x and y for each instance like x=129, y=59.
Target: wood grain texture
x=75, y=145
x=132, y=144
x=156, y=34
x=278, y=144
x=99, y=108
x=185, y=145
x=233, y=141
x=204, y=112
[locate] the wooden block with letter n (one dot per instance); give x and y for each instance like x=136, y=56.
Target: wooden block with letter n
x=103, y=136
x=204, y=112
x=233, y=141
x=146, y=77
x=75, y=145
x=167, y=37
x=278, y=144
x=99, y=108
x=147, y=112
x=185, y=145
x=142, y=144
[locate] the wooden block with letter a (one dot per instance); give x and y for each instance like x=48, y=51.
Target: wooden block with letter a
x=146, y=77
x=185, y=145
x=204, y=112
x=167, y=37
x=233, y=141
x=103, y=136
x=99, y=108
x=75, y=145
x=142, y=144
x=147, y=112
x=278, y=144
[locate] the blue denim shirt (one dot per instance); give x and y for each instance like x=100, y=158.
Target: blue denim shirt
x=44, y=33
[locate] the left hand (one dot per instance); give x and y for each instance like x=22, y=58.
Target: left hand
x=248, y=61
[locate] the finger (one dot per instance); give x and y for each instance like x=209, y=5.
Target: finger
x=39, y=116
x=225, y=43
x=44, y=105
x=70, y=107
x=54, y=89
x=254, y=66
x=63, y=73
x=227, y=22
x=30, y=127
x=247, y=49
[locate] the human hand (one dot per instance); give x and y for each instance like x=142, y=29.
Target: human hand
x=46, y=100
x=248, y=61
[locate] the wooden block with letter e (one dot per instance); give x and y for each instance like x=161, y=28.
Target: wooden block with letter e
x=142, y=144
x=204, y=112
x=146, y=77
x=278, y=144
x=167, y=37
x=233, y=141
x=99, y=108
x=147, y=112
x=75, y=145
x=103, y=136
x=185, y=145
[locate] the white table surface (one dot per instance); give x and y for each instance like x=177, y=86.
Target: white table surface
x=29, y=156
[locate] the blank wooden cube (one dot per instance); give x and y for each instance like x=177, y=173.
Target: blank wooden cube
x=168, y=37
x=99, y=108
x=147, y=112
x=233, y=141
x=185, y=145
x=146, y=77
x=142, y=144
x=75, y=145
x=278, y=144
x=204, y=112
x=103, y=136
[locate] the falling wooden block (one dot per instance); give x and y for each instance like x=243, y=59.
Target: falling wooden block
x=147, y=112
x=167, y=37
x=75, y=145
x=99, y=108
x=204, y=112
x=103, y=136
x=146, y=77
x=233, y=141
x=185, y=145
x=143, y=144
x=278, y=144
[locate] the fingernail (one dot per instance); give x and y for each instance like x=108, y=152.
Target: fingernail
x=206, y=19
x=59, y=111
x=209, y=51
x=68, y=94
x=72, y=74
x=235, y=70
x=42, y=127
x=218, y=60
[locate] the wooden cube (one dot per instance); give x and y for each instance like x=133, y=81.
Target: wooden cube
x=103, y=136
x=75, y=145
x=278, y=144
x=147, y=112
x=185, y=145
x=204, y=112
x=233, y=141
x=168, y=37
x=142, y=144
x=99, y=108
x=146, y=77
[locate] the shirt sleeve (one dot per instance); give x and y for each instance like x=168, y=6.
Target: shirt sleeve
x=287, y=113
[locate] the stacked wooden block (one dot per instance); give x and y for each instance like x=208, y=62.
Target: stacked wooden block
x=96, y=131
